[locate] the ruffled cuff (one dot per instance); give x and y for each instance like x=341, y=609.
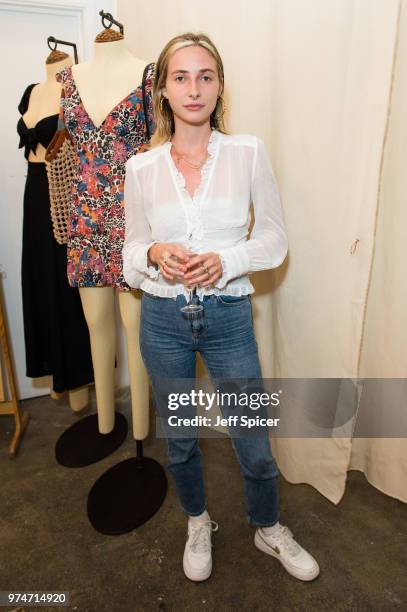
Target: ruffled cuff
x=235, y=262
x=141, y=262
x=223, y=280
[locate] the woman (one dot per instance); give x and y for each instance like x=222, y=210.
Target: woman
x=187, y=206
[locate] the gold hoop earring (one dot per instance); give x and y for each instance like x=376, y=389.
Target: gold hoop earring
x=162, y=103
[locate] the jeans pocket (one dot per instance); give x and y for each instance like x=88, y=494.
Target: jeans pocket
x=233, y=300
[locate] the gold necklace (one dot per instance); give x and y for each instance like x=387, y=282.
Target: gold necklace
x=181, y=157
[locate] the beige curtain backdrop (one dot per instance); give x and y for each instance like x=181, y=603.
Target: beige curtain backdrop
x=324, y=84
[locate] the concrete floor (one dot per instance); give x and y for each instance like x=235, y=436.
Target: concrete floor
x=47, y=543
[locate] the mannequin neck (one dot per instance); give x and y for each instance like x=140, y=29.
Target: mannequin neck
x=52, y=69
x=114, y=51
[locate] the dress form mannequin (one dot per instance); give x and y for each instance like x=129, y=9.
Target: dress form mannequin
x=44, y=102
x=45, y=97
x=102, y=83
x=109, y=116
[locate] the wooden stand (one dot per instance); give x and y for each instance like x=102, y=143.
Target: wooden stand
x=9, y=406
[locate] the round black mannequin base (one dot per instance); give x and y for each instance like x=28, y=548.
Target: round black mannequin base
x=82, y=444
x=127, y=495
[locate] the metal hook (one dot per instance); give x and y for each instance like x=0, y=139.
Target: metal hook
x=52, y=39
x=109, y=16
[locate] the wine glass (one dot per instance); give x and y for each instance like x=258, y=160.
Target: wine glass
x=192, y=308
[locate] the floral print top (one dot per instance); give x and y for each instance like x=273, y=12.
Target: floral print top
x=96, y=225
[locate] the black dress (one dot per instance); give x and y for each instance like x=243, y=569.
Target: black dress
x=55, y=330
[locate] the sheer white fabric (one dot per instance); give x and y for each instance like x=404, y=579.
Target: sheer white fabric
x=158, y=208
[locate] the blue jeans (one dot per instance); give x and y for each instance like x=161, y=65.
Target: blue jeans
x=228, y=347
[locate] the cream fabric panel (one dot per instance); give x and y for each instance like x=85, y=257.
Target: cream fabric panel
x=332, y=86
x=385, y=336
x=312, y=79
x=384, y=354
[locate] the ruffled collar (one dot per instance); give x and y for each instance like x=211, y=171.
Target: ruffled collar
x=205, y=170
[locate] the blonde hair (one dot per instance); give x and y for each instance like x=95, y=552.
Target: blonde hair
x=163, y=115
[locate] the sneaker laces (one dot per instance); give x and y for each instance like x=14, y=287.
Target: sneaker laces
x=200, y=541
x=285, y=538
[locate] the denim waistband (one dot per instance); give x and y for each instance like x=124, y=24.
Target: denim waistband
x=213, y=297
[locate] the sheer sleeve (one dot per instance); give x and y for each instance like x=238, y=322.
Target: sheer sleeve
x=137, y=238
x=268, y=244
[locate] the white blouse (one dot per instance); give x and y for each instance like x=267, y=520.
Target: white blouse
x=158, y=208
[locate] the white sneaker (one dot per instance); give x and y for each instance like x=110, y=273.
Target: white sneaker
x=281, y=545
x=198, y=550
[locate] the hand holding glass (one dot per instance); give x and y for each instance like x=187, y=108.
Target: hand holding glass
x=193, y=306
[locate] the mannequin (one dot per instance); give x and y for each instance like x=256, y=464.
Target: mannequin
x=43, y=104
x=44, y=98
x=102, y=83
